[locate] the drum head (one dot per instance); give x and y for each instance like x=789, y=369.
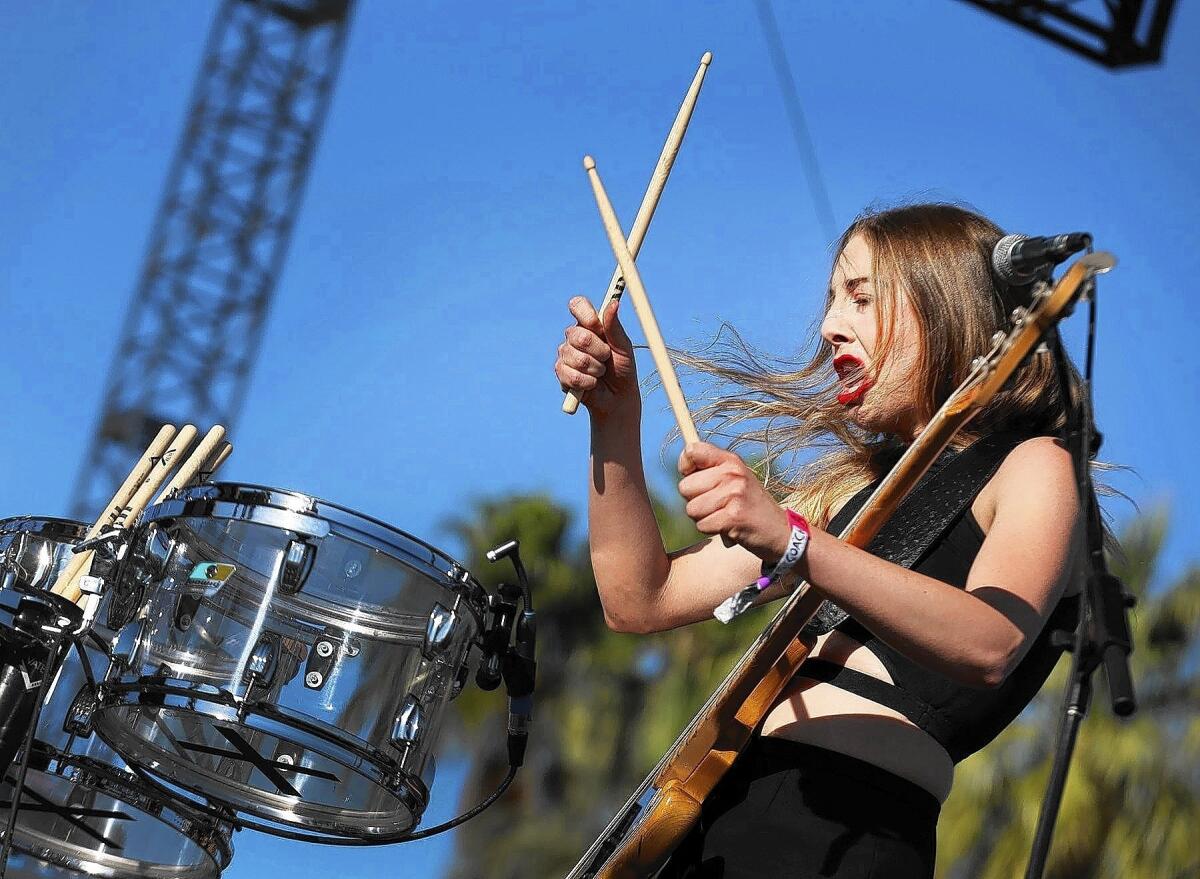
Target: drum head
x=102, y=822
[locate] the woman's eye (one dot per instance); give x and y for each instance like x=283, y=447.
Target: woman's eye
x=861, y=301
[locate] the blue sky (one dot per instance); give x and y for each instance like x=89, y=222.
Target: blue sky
x=406, y=366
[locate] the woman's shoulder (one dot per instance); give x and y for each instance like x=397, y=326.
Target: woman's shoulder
x=1035, y=460
x=1037, y=473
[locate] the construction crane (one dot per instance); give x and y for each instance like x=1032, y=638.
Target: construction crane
x=221, y=232
x=1115, y=33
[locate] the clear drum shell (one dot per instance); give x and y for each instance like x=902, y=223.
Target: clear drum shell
x=83, y=812
x=290, y=659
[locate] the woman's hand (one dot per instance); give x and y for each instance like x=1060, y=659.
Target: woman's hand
x=596, y=360
x=725, y=497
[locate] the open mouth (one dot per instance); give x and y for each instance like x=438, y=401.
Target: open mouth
x=853, y=378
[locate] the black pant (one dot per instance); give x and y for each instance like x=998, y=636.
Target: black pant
x=792, y=811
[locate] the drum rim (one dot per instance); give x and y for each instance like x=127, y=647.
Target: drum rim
x=205, y=500
x=409, y=789
x=211, y=837
x=71, y=530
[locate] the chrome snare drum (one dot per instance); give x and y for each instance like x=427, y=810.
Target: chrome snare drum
x=293, y=661
x=81, y=809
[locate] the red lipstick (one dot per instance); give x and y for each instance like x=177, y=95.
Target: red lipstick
x=854, y=378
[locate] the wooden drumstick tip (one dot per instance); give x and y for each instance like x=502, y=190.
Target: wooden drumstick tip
x=706, y=59
x=589, y=164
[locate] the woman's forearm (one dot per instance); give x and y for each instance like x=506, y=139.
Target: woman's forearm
x=946, y=629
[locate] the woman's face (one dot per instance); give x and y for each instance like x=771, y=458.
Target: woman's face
x=880, y=397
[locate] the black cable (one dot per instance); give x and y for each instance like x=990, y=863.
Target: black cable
x=223, y=814
x=791, y=102
x=467, y=816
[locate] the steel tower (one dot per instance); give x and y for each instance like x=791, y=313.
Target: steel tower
x=221, y=231
x=1115, y=33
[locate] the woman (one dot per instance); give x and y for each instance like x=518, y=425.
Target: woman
x=846, y=776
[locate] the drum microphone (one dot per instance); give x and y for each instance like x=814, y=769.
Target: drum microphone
x=516, y=663
x=1019, y=259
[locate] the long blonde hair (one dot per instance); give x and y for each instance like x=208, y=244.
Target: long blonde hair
x=939, y=256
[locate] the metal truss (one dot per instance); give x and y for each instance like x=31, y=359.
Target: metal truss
x=222, y=229
x=1115, y=33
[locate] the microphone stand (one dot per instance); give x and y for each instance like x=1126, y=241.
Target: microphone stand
x=1101, y=636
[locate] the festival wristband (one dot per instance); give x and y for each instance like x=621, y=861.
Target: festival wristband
x=743, y=600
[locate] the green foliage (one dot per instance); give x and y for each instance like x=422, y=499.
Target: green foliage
x=608, y=705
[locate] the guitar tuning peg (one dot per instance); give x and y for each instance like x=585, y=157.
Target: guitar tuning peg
x=978, y=363
x=1018, y=316
x=998, y=338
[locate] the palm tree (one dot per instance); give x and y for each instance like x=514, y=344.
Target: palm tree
x=1132, y=801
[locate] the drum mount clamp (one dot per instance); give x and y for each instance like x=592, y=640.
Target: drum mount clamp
x=508, y=644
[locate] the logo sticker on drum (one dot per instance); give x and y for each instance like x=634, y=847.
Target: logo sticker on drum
x=211, y=575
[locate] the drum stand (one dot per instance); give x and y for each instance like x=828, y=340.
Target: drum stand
x=44, y=627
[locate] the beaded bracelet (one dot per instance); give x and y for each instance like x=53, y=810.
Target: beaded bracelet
x=743, y=600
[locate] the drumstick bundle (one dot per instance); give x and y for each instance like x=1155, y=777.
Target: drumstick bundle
x=165, y=453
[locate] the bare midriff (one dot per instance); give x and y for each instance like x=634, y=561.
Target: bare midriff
x=817, y=713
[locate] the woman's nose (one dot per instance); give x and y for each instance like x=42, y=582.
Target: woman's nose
x=834, y=328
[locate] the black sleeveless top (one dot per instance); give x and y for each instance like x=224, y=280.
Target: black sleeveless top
x=959, y=717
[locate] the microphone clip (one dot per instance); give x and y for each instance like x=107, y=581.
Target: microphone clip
x=509, y=650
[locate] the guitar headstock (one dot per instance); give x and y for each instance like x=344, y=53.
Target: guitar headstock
x=1049, y=305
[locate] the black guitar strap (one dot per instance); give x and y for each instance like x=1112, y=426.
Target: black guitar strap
x=926, y=514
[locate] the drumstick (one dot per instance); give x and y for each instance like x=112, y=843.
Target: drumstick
x=641, y=304
x=658, y=180
x=67, y=584
x=191, y=467
x=116, y=507
x=218, y=459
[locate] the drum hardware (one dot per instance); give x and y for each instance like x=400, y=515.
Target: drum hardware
x=185, y=610
x=260, y=667
x=331, y=646
x=514, y=663
x=128, y=592
x=42, y=628
x=298, y=563
x=410, y=723
x=78, y=720
x=438, y=631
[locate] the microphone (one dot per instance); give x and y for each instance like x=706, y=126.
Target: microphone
x=1019, y=259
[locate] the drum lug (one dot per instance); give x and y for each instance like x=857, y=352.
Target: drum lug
x=298, y=561
x=439, y=632
x=410, y=723
x=260, y=667
x=331, y=645
x=78, y=721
